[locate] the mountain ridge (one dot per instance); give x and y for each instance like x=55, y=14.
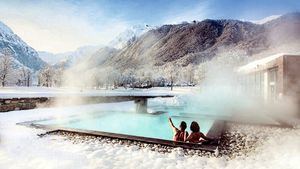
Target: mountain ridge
x=191, y=43
x=19, y=50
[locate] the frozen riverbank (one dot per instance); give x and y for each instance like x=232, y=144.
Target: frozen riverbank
x=20, y=147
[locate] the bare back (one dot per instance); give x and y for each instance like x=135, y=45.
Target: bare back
x=180, y=135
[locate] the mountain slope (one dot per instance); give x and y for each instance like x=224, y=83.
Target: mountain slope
x=69, y=57
x=49, y=57
x=20, y=51
x=99, y=57
x=267, y=19
x=129, y=35
x=191, y=43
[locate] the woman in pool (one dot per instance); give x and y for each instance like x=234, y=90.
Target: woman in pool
x=196, y=136
x=179, y=134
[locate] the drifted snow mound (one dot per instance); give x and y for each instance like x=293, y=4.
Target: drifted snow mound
x=282, y=150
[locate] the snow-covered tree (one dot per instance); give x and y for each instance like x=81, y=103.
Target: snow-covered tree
x=25, y=77
x=172, y=72
x=5, y=66
x=46, y=77
x=129, y=78
x=58, y=75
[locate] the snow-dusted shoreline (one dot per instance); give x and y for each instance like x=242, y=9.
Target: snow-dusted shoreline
x=21, y=147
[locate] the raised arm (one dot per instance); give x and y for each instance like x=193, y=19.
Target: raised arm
x=172, y=125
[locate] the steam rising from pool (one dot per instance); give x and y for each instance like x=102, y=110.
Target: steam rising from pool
x=221, y=94
x=218, y=94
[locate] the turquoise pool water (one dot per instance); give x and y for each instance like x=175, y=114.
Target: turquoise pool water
x=129, y=123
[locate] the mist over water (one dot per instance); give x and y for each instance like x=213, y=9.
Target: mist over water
x=222, y=94
x=219, y=94
x=219, y=91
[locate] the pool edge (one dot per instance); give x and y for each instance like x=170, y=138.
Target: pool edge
x=214, y=132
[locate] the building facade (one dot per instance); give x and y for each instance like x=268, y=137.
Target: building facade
x=273, y=77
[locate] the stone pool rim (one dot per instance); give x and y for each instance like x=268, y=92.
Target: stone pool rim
x=215, y=132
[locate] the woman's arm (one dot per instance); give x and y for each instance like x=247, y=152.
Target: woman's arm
x=206, y=138
x=172, y=125
x=186, y=134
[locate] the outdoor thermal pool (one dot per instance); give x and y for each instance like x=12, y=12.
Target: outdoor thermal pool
x=127, y=123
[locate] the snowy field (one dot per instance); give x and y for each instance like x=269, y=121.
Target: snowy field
x=18, y=92
x=20, y=147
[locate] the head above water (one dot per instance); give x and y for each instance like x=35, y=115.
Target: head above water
x=195, y=127
x=182, y=125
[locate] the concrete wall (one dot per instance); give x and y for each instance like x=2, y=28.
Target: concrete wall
x=21, y=103
x=288, y=74
x=274, y=64
x=292, y=80
x=292, y=75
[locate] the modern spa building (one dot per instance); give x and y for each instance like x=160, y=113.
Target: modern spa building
x=273, y=77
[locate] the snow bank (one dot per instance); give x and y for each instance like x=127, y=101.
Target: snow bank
x=17, y=92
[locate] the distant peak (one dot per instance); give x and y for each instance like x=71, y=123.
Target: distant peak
x=266, y=19
x=128, y=35
x=5, y=28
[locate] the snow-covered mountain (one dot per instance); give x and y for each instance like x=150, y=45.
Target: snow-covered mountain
x=129, y=35
x=120, y=41
x=192, y=43
x=266, y=19
x=50, y=58
x=23, y=54
x=69, y=57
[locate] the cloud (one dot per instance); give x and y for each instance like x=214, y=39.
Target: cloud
x=198, y=12
x=60, y=26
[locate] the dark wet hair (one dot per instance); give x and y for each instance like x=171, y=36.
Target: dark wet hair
x=182, y=125
x=194, y=127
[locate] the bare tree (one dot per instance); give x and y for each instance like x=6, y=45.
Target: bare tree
x=58, y=75
x=25, y=77
x=171, y=72
x=5, y=66
x=189, y=72
x=129, y=77
x=46, y=76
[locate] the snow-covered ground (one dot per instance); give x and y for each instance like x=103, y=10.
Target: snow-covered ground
x=20, y=147
x=13, y=92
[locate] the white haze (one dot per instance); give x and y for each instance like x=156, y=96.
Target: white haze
x=221, y=95
x=220, y=92
x=221, y=89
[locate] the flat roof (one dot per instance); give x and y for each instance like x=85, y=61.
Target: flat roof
x=255, y=64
